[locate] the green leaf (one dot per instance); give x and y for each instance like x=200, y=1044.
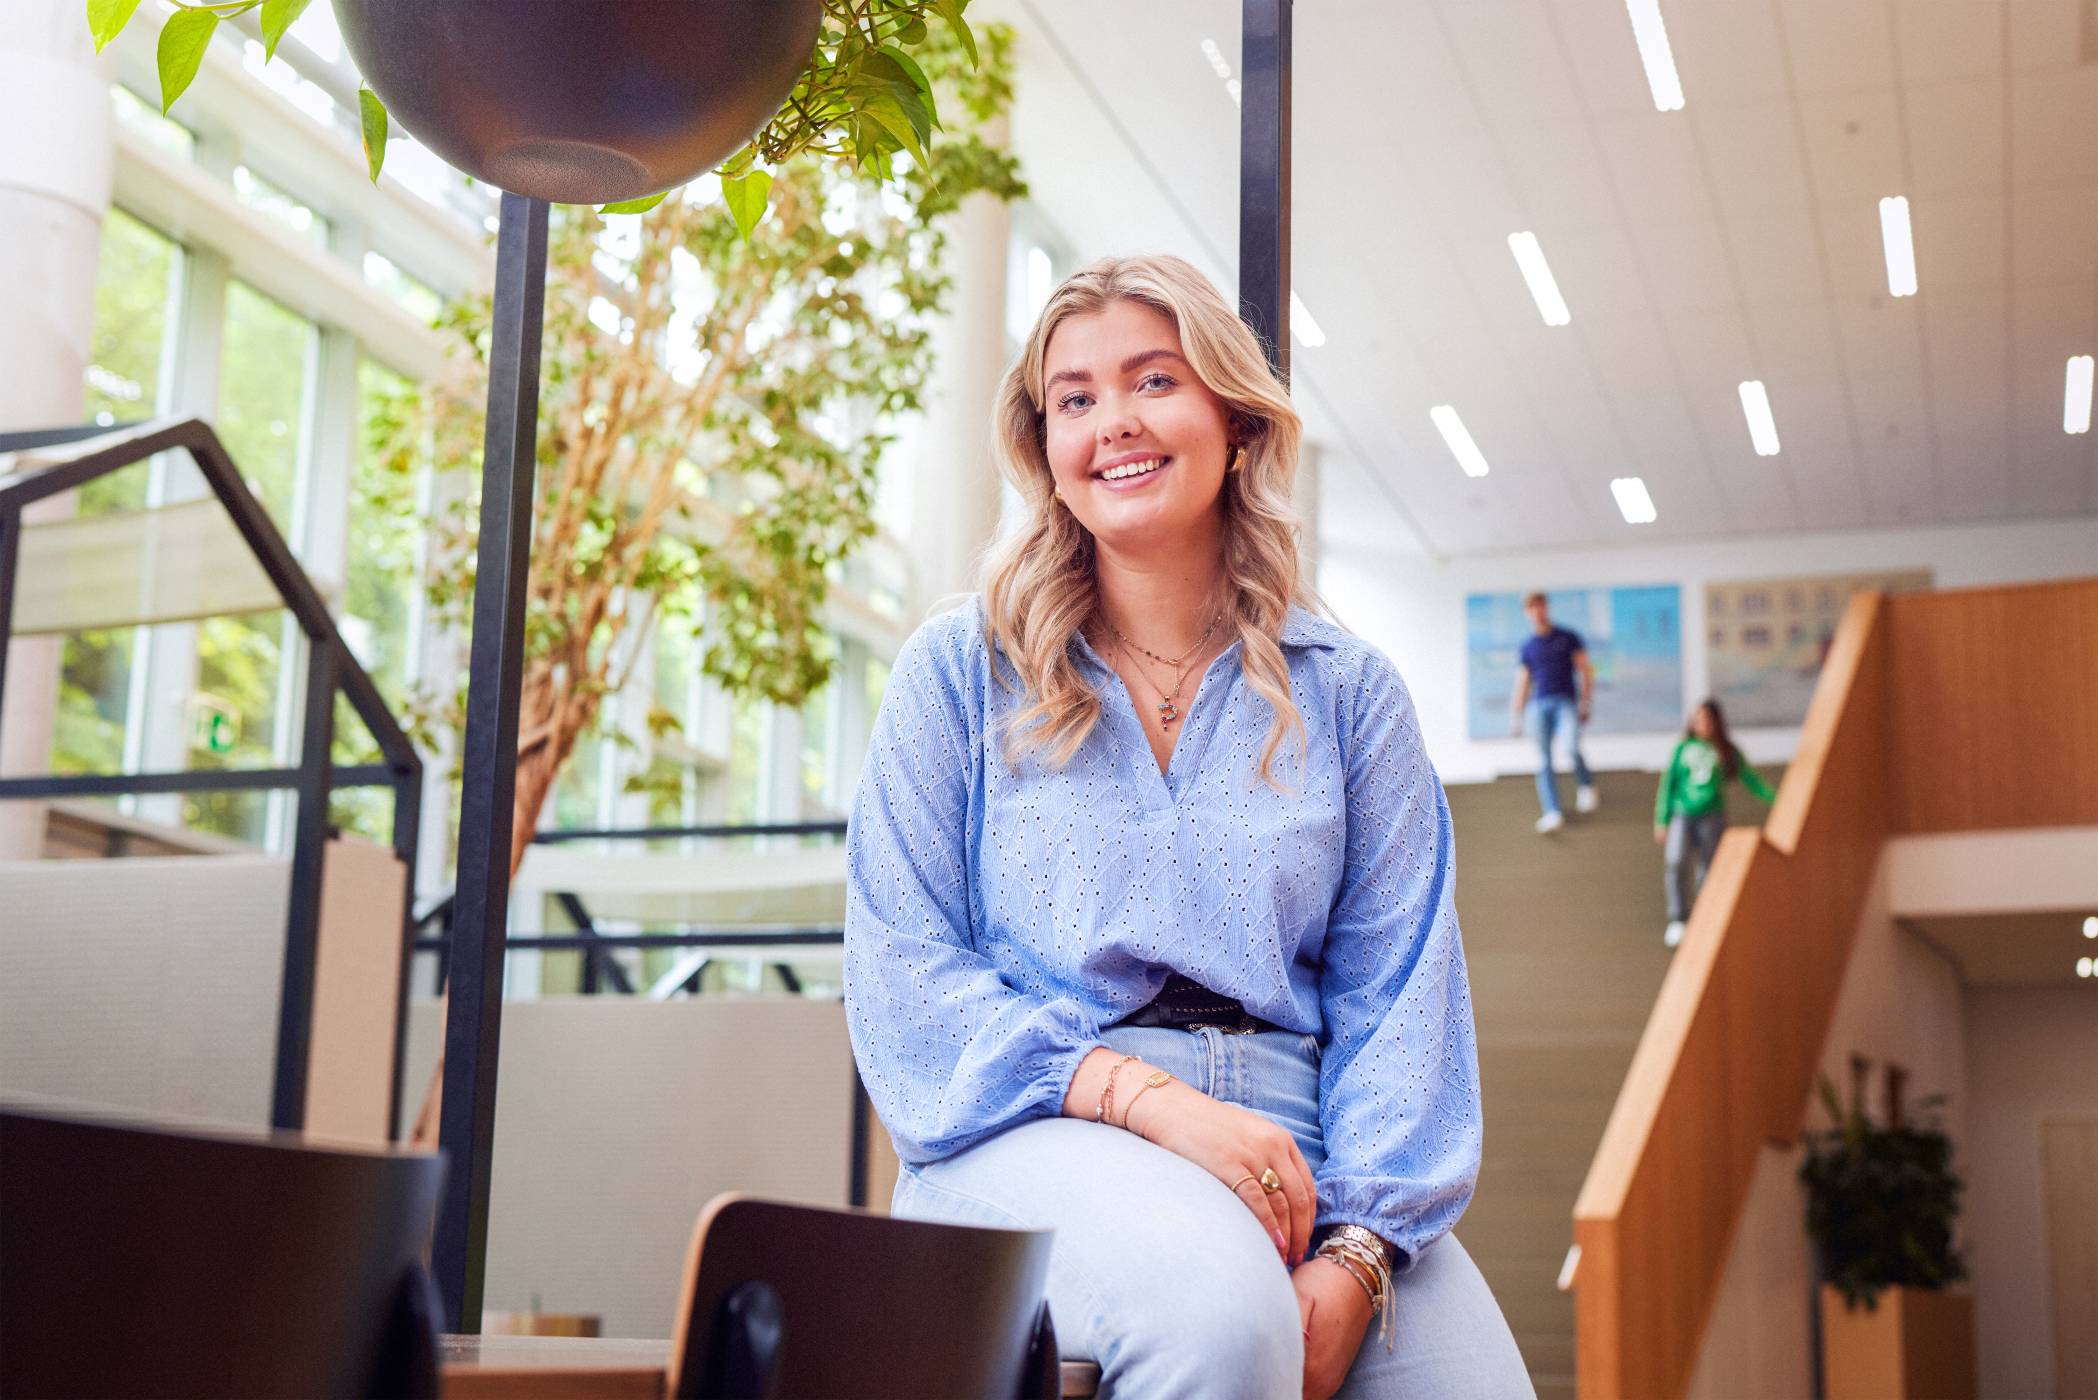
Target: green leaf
x=182, y=44
x=635, y=206
x=951, y=11
x=747, y=197
x=106, y=19
x=278, y=16
x=911, y=79
x=884, y=110
x=372, y=112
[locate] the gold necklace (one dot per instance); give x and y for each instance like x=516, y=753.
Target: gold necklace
x=1168, y=662
x=1168, y=705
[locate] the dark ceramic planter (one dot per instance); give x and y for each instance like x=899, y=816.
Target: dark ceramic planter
x=581, y=101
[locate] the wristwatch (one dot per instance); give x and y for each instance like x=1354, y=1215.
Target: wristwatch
x=1371, y=1239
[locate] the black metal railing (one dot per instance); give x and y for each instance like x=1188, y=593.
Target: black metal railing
x=331, y=670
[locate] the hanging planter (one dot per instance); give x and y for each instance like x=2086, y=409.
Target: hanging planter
x=581, y=103
x=610, y=101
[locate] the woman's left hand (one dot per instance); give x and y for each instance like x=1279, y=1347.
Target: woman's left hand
x=1336, y=1313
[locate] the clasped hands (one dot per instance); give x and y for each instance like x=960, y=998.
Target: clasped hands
x=1236, y=1146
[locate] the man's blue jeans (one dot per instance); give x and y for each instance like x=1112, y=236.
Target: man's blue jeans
x=1548, y=715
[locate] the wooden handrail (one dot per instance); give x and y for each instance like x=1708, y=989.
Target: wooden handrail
x=1996, y=684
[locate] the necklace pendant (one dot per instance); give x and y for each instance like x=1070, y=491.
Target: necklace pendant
x=1167, y=713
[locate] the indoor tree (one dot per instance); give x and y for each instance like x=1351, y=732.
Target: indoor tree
x=717, y=387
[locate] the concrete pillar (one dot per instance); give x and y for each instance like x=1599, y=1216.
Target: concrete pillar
x=955, y=500
x=55, y=172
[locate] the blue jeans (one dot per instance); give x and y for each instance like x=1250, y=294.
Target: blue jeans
x=1165, y=1279
x=1548, y=714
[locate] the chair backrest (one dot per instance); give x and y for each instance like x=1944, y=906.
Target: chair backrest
x=790, y=1302
x=139, y=1260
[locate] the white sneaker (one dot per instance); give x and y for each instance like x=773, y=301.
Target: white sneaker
x=1673, y=934
x=1587, y=799
x=1549, y=822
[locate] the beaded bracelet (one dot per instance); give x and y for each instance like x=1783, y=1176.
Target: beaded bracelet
x=1107, y=1095
x=1366, y=1264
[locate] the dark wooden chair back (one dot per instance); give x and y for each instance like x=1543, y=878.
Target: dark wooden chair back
x=790, y=1302
x=144, y=1261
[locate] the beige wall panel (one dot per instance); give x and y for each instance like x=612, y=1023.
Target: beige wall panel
x=145, y=984
x=2030, y=1052
x=617, y=1119
x=357, y=981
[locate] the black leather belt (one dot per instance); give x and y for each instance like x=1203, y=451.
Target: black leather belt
x=1187, y=1005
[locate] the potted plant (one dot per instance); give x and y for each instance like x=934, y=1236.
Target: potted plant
x=611, y=104
x=1882, y=1200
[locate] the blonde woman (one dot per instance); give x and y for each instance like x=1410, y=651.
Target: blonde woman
x=1149, y=935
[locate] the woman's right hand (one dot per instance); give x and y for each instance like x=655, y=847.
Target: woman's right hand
x=1235, y=1145
x=1660, y=834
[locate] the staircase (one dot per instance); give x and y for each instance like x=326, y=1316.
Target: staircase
x=1563, y=937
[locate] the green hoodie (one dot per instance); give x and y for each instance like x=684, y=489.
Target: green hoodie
x=1692, y=785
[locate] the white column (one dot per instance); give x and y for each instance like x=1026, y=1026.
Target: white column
x=1306, y=498
x=55, y=171
x=954, y=501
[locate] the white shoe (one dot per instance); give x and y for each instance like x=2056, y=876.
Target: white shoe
x=1549, y=822
x=1673, y=934
x=1587, y=799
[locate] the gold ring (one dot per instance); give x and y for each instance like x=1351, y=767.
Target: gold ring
x=1242, y=1181
x=1269, y=1182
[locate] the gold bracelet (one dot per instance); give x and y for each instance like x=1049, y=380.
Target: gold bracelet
x=1107, y=1095
x=1156, y=1079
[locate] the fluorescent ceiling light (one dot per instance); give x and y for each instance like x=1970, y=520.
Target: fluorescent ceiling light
x=1900, y=244
x=1455, y=434
x=1762, y=427
x=1222, y=68
x=1654, y=52
x=1633, y=502
x=2076, y=395
x=1302, y=326
x=1529, y=256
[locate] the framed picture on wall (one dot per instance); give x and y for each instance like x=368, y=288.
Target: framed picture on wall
x=1634, y=637
x=1765, y=639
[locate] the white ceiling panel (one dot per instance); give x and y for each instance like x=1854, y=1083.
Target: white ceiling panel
x=1940, y=39
x=1737, y=238
x=1751, y=159
x=2053, y=115
x=2044, y=34
x=1653, y=162
x=1854, y=146
x=1686, y=266
x=1728, y=51
x=1838, y=48
x=1881, y=336
x=2052, y=321
x=1777, y=257
x=1955, y=137
x=1959, y=241
x=2054, y=232
x=1631, y=350
x=1794, y=340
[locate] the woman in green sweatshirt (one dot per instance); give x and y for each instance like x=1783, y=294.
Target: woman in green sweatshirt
x=1690, y=810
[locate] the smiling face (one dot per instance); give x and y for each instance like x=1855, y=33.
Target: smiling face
x=1136, y=441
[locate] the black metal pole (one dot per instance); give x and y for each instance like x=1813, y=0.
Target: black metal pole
x=407, y=826
x=10, y=551
x=473, y=1021
x=1263, y=176
x=309, y=857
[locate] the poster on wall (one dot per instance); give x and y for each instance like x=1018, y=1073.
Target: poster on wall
x=1634, y=637
x=1766, y=638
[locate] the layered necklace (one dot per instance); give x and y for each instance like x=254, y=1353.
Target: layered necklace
x=1182, y=666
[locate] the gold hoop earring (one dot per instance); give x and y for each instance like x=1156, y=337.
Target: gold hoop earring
x=1058, y=492
x=1238, y=458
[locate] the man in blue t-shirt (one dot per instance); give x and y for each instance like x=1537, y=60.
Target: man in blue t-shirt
x=1551, y=661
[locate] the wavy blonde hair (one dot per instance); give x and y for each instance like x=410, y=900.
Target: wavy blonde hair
x=1039, y=587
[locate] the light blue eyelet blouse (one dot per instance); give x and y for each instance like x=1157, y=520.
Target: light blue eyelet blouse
x=997, y=919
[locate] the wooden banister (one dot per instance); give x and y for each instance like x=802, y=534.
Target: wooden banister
x=1917, y=694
